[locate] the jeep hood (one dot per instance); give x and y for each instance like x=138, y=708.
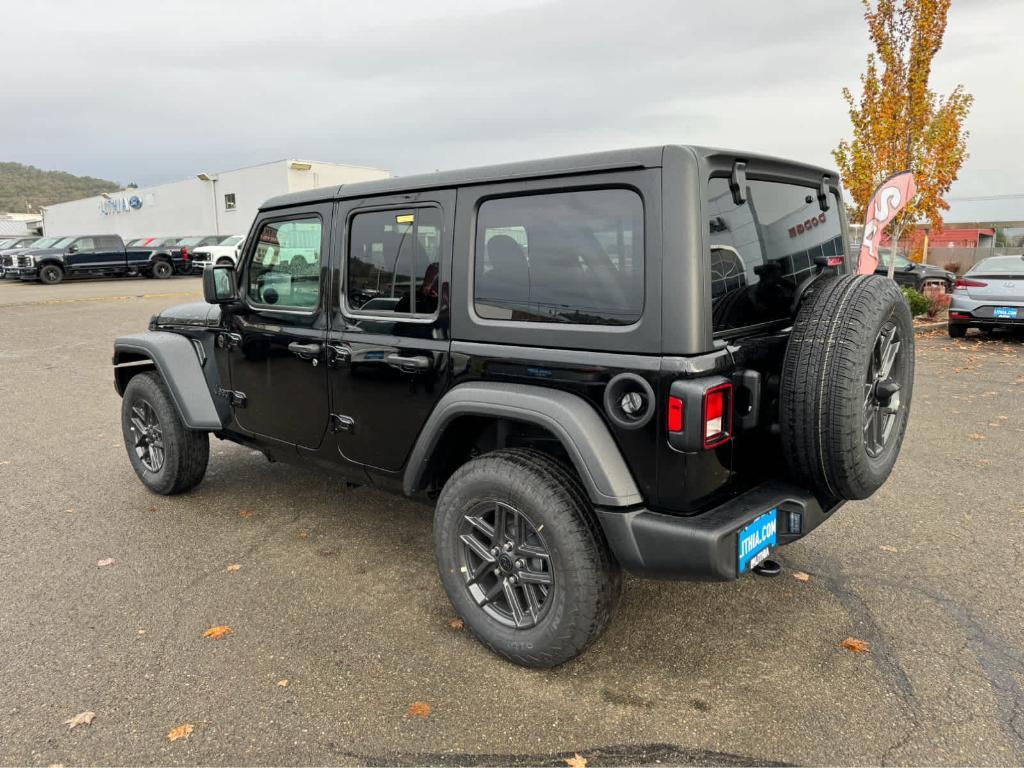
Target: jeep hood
x=197, y=313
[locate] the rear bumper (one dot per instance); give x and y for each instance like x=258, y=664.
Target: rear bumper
x=705, y=547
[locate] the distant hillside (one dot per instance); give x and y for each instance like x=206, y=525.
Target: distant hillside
x=23, y=188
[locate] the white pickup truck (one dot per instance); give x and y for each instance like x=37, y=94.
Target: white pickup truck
x=226, y=252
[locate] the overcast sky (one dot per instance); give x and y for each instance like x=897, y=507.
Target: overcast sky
x=156, y=91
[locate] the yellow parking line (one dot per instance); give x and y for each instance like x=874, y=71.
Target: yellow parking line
x=46, y=302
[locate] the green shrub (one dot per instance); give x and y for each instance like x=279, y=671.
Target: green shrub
x=917, y=301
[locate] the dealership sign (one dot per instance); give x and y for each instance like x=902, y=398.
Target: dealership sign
x=113, y=205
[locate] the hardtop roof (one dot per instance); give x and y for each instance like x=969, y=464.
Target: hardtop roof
x=593, y=162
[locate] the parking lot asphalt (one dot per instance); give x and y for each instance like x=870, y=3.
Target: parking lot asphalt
x=337, y=595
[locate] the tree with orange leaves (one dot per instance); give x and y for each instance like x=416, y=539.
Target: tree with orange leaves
x=899, y=123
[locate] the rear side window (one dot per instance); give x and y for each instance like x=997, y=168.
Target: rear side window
x=108, y=243
x=571, y=257
x=393, y=261
x=762, y=249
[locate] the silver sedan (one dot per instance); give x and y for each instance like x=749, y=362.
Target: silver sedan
x=989, y=295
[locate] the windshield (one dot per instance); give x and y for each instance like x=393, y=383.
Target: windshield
x=233, y=240
x=998, y=265
x=190, y=241
x=45, y=242
x=63, y=243
x=6, y=243
x=901, y=261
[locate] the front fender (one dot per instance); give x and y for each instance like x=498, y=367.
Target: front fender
x=576, y=424
x=177, y=360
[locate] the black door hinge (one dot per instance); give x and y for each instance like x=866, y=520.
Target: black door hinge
x=235, y=399
x=340, y=423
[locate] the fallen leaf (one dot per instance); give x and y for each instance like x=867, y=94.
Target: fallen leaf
x=576, y=761
x=140, y=632
x=216, y=633
x=82, y=718
x=801, y=576
x=1003, y=418
x=105, y=562
x=245, y=513
x=976, y=436
x=327, y=552
x=302, y=535
x=887, y=548
x=4, y=463
x=457, y=624
x=151, y=509
x=283, y=683
x=71, y=510
x=181, y=732
x=233, y=567
x=855, y=645
x=419, y=709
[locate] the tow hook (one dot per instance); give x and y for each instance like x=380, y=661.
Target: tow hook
x=768, y=567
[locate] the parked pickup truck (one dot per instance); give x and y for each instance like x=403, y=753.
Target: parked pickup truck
x=224, y=252
x=95, y=256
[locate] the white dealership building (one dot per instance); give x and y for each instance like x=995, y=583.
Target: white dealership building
x=208, y=203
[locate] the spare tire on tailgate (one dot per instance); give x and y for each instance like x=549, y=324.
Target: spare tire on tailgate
x=847, y=382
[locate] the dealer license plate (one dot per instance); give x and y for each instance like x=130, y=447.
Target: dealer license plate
x=1006, y=313
x=756, y=540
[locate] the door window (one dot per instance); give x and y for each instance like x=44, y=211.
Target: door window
x=571, y=257
x=393, y=261
x=84, y=245
x=285, y=268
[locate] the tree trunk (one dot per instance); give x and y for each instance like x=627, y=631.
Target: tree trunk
x=894, y=238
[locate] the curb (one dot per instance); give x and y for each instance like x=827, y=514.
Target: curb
x=931, y=326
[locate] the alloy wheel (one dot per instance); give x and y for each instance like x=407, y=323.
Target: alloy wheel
x=148, y=436
x=506, y=564
x=882, y=389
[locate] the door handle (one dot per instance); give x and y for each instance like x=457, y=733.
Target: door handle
x=305, y=351
x=408, y=364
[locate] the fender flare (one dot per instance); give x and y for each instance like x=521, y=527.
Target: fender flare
x=178, y=363
x=575, y=423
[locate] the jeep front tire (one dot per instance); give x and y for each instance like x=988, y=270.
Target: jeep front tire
x=523, y=559
x=167, y=456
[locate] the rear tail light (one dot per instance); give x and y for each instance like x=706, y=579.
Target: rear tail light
x=964, y=282
x=699, y=413
x=675, y=414
x=959, y=315
x=717, y=415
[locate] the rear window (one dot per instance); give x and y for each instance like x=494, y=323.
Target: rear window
x=571, y=257
x=762, y=249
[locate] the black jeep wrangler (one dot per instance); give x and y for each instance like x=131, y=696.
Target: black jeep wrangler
x=652, y=359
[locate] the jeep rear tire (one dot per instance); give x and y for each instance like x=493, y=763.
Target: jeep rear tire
x=847, y=383
x=523, y=558
x=167, y=456
x=51, y=274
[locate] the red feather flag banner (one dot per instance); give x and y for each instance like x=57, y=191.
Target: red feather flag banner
x=890, y=198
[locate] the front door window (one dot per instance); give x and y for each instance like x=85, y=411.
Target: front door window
x=285, y=269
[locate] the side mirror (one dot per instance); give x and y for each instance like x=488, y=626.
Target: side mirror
x=73, y=248
x=219, y=284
